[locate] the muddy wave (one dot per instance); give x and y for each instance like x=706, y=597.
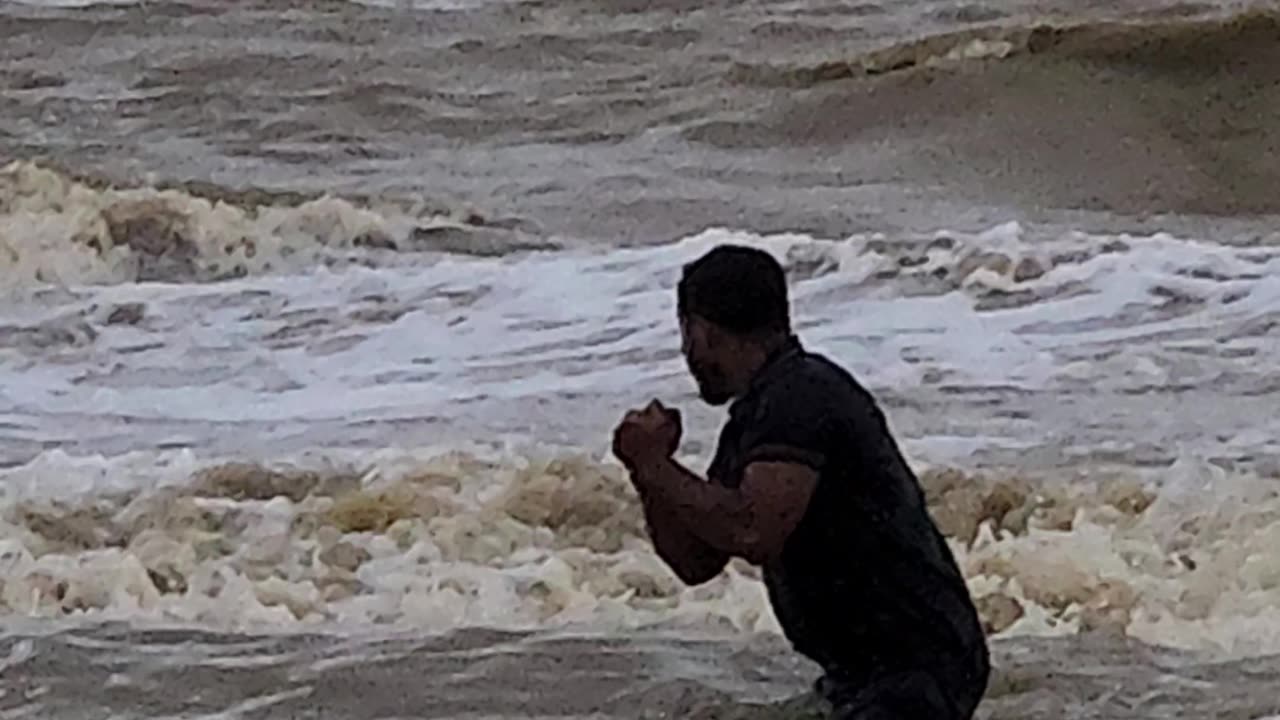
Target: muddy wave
x=1172, y=45
x=1138, y=117
x=543, y=538
x=55, y=229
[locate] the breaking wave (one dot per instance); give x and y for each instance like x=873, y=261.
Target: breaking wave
x=55, y=229
x=1172, y=45
x=1135, y=118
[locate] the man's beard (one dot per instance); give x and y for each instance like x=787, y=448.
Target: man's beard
x=714, y=396
x=712, y=385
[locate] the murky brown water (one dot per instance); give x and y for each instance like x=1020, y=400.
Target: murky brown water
x=426, y=255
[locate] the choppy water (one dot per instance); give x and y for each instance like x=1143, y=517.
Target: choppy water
x=317, y=317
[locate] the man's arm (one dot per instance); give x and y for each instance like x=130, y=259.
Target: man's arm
x=786, y=445
x=752, y=521
x=692, y=560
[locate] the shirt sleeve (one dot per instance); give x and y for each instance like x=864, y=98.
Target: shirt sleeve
x=792, y=422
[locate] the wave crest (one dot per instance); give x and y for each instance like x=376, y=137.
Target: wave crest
x=1174, y=44
x=55, y=229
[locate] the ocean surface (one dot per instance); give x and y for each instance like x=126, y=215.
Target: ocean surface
x=316, y=317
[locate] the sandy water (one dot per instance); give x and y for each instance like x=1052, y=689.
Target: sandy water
x=316, y=319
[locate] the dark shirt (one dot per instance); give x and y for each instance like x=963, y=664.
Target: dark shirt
x=866, y=584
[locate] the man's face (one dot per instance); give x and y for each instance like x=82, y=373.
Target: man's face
x=706, y=360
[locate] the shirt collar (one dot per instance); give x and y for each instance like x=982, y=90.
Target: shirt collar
x=774, y=360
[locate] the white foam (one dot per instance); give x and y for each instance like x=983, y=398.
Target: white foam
x=567, y=340
x=580, y=324
x=440, y=539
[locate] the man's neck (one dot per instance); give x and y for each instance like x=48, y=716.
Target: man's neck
x=756, y=357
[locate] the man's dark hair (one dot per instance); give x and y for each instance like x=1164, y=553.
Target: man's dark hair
x=741, y=289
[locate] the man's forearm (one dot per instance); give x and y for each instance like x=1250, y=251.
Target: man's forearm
x=718, y=516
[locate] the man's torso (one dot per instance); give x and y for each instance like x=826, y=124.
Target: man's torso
x=866, y=583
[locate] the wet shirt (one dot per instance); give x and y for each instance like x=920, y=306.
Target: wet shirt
x=866, y=583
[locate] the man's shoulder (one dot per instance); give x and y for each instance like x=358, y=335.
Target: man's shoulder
x=823, y=367
x=815, y=372
x=814, y=381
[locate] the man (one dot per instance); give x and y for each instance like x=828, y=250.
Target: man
x=808, y=483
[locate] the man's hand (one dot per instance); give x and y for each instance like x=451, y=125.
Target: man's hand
x=645, y=435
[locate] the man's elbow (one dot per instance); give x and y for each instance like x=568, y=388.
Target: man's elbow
x=758, y=549
x=695, y=576
x=700, y=571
